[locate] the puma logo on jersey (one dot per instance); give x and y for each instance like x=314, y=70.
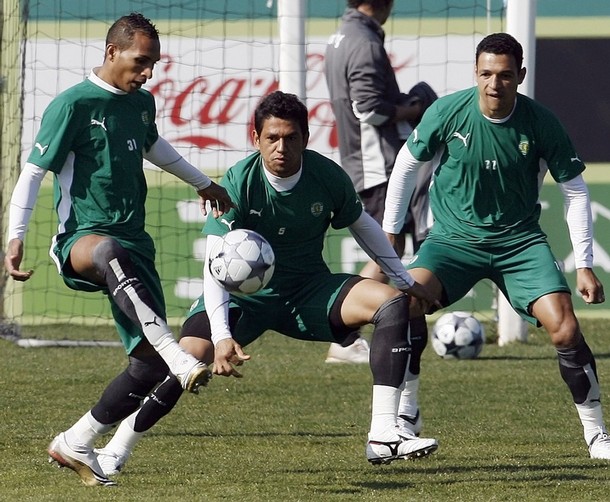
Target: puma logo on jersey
x=257, y=213
x=41, y=148
x=102, y=124
x=228, y=223
x=463, y=139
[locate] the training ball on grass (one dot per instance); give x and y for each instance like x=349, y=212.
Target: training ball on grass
x=458, y=335
x=242, y=261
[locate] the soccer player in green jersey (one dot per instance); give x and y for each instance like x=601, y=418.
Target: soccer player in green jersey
x=93, y=138
x=492, y=147
x=291, y=196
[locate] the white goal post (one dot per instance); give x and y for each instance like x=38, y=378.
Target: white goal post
x=521, y=23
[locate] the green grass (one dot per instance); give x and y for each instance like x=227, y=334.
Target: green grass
x=294, y=428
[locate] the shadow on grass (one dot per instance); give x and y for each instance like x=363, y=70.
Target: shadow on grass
x=269, y=434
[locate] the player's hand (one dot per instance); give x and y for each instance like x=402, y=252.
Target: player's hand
x=218, y=197
x=12, y=261
x=228, y=354
x=589, y=286
x=426, y=300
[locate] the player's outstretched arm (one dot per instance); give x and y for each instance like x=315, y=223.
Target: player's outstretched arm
x=164, y=156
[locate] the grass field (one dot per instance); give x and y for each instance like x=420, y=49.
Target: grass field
x=293, y=429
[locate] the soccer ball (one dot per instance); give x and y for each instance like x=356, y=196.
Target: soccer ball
x=458, y=335
x=242, y=261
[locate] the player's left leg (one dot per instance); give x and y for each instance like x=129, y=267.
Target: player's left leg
x=576, y=366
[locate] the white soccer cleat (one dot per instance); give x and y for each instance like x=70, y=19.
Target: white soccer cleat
x=110, y=462
x=409, y=425
x=356, y=353
x=400, y=447
x=192, y=374
x=83, y=461
x=600, y=446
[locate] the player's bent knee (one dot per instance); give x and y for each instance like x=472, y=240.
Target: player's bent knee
x=395, y=308
x=147, y=369
x=107, y=250
x=201, y=348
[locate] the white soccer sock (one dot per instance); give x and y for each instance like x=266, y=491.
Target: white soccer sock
x=85, y=431
x=384, y=408
x=591, y=419
x=408, y=397
x=156, y=330
x=125, y=437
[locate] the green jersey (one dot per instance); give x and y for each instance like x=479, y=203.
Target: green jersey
x=486, y=185
x=294, y=221
x=92, y=140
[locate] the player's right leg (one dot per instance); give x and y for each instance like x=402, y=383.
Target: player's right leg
x=103, y=260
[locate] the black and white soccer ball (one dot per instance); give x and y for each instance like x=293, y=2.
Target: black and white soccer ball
x=458, y=335
x=242, y=261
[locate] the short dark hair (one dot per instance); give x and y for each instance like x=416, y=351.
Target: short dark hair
x=283, y=106
x=501, y=43
x=375, y=4
x=123, y=30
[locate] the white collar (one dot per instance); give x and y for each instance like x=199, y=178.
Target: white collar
x=103, y=84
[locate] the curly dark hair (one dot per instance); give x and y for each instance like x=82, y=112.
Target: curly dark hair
x=283, y=106
x=501, y=43
x=123, y=30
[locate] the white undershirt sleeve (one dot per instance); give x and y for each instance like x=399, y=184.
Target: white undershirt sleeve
x=400, y=189
x=216, y=299
x=373, y=241
x=577, y=206
x=23, y=200
x=164, y=156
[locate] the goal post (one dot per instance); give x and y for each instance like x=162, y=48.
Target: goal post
x=13, y=33
x=521, y=23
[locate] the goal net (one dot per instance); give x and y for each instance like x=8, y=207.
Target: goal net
x=219, y=57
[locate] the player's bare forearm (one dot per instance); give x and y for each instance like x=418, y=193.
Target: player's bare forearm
x=12, y=261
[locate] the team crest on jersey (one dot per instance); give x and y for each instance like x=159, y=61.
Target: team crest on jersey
x=145, y=118
x=524, y=147
x=317, y=208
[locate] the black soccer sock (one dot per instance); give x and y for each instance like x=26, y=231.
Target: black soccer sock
x=578, y=370
x=125, y=393
x=160, y=402
x=390, y=345
x=418, y=335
